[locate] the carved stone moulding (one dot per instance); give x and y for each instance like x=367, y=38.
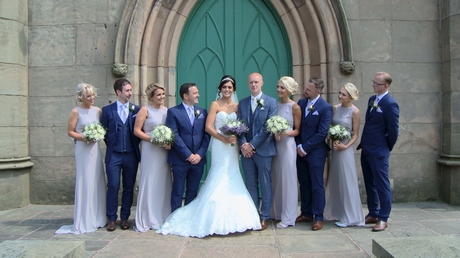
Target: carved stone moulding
x=120, y=70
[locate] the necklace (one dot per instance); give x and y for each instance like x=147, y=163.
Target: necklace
x=228, y=105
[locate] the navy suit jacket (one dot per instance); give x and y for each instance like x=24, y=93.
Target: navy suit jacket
x=188, y=139
x=109, y=120
x=381, y=128
x=314, y=127
x=257, y=135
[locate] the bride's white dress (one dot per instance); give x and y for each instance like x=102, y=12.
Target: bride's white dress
x=223, y=204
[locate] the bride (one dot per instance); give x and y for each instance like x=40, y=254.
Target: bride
x=223, y=204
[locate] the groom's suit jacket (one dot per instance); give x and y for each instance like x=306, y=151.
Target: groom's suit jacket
x=257, y=135
x=314, y=127
x=381, y=128
x=109, y=119
x=189, y=139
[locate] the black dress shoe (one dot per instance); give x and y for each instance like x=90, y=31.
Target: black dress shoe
x=112, y=225
x=124, y=224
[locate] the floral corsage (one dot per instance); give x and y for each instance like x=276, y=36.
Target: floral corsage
x=260, y=102
x=310, y=108
x=197, y=113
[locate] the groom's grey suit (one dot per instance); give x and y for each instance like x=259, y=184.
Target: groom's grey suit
x=258, y=167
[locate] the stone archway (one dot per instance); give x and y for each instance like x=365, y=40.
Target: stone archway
x=150, y=30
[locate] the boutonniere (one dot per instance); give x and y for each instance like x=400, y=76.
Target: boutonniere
x=197, y=113
x=310, y=108
x=131, y=108
x=375, y=105
x=260, y=102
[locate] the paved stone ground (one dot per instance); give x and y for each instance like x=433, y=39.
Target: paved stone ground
x=38, y=222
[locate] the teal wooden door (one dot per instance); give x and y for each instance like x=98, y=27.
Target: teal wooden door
x=235, y=37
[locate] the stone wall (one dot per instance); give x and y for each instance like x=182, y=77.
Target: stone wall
x=73, y=41
x=14, y=145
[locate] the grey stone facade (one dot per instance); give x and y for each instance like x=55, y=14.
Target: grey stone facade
x=48, y=47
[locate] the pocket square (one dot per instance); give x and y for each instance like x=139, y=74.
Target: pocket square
x=201, y=116
x=315, y=113
x=379, y=110
x=135, y=115
x=262, y=108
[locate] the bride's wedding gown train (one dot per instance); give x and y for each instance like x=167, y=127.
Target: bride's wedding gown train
x=223, y=204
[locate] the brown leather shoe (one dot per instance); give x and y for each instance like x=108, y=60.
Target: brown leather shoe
x=380, y=226
x=124, y=224
x=112, y=225
x=303, y=219
x=317, y=225
x=370, y=220
x=264, y=224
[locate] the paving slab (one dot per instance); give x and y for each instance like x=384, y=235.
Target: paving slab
x=443, y=227
x=230, y=251
x=42, y=248
x=316, y=244
x=439, y=246
x=142, y=248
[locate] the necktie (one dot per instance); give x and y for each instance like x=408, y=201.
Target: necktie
x=123, y=114
x=307, y=111
x=191, y=115
x=254, y=104
x=376, y=103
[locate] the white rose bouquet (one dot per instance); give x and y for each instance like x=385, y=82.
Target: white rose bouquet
x=277, y=125
x=93, y=132
x=338, y=132
x=162, y=135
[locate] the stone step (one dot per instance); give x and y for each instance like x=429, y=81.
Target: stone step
x=42, y=248
x=435, y=246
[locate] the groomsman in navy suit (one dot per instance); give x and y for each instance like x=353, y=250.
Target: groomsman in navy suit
x=312, y=152
x=257, y=146
x=188, y=153
x=122, y=155
x=379, y=136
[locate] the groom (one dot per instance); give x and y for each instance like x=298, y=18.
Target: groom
x=122, y=155
x=380, y=133
x=257, y=146
x=312, y=152
x=188, y=153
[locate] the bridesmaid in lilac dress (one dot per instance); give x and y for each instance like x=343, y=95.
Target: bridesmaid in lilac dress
x=284, y=171
x=90, y=195
x=343, y=202
x=155, y=184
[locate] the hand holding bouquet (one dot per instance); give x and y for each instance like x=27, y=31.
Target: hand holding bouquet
x=338, y=132
x=93, y=132
x=233, y=127
x=162, y=135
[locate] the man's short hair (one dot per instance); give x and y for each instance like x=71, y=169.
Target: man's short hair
x=184, y=88
x=119, y=84
x=386, y=77
x=319, y=84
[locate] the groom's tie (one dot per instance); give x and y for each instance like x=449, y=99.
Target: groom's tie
x=254, y=104
x=123, y=114
x=191, y=115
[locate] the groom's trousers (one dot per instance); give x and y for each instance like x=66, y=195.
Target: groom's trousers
x=258, y=169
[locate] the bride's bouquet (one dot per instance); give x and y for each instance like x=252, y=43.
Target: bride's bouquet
x=338, y=132
x=233, y=127
x=93, y=132
x=162, y=135
x=277, y=124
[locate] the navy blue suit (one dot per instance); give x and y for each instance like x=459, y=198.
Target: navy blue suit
x=121, y=159
x=189, y=140
x=310, y=168
x=379, y=136
x=258, y=167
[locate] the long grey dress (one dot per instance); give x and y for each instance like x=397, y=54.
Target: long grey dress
x=155, y=184
x=343, y=202
x=90, y=194
x=284, y=173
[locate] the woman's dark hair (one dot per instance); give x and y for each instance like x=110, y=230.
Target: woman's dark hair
x=224, y=80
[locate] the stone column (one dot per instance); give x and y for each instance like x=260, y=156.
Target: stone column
x=450, y=156
x=14, y=141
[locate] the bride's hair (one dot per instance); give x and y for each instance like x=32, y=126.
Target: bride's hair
x=151, y=88
x=290, y=84
x=83, y=89
x=224, y=80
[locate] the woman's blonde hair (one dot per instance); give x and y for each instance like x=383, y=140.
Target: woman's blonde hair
x=352, y=90
x=83, y=89
x=290, y=84
x=151, y=88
